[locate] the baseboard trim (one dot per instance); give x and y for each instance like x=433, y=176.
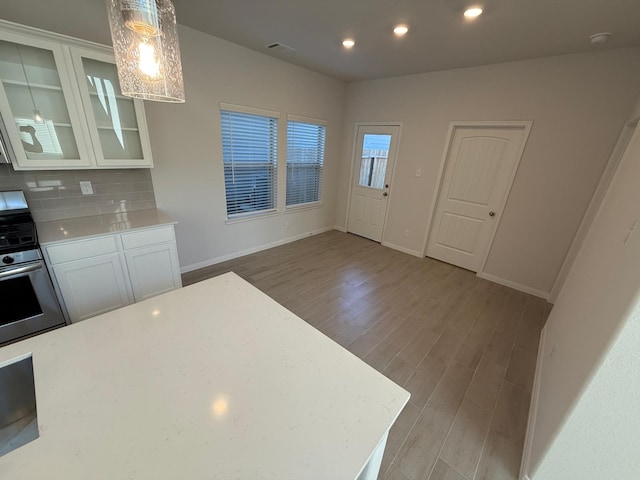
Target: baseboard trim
x=533, y=408
x=249, y=251
x=340, y=228
x=514, y=285
x=415, y=253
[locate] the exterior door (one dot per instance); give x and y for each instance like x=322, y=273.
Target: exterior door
x=479, y=167
x=373, y=166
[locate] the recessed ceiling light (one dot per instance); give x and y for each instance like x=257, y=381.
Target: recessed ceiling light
x=400, y=30
x=348, y=43
x=473, y=12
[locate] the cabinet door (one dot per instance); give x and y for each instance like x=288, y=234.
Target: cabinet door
x=117, y=123
x=153, y=270
x=92, y=286
x=39, y=102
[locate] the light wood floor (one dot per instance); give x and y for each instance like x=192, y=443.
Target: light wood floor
x=464, y=347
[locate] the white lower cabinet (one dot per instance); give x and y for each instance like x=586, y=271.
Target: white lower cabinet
x=100, y=274
x=92, y=286
x=152, y=270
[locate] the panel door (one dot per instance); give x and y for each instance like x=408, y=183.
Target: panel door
x=153, y=270
x=40, y=105
x=480, y=165
x=373, y=166
x=92, y=286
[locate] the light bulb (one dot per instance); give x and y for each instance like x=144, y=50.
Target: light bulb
x=37, y=116
x=473, y=12
x=148, y=63
x=400, y=30
x=348, y=43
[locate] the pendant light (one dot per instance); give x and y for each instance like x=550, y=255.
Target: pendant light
x=145, y=44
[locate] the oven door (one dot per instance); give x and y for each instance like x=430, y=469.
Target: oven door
x=29, y=304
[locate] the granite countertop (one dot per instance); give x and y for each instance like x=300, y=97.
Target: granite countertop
x=214, y=380
x=69, y=229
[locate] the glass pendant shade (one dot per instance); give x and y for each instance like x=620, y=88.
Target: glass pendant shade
x=145, y=44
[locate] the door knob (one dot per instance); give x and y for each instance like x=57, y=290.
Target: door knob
x=385, y=194
x=492, y=213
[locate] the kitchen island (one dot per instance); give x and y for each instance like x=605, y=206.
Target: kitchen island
x=215, y=380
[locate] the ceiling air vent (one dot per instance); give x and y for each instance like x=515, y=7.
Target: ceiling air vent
x=280, y=48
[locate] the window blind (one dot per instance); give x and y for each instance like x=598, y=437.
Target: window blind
x=249, y=153
x=305, y=157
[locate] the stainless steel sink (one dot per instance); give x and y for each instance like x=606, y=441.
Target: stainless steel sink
x=18, y=418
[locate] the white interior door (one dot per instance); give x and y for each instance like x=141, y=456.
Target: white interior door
x=479, y=168
x=373, y=166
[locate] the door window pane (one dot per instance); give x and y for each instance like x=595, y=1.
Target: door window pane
x=373, y=164
x=32, y=85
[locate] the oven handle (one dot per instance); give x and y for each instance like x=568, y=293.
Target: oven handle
x=18, y=271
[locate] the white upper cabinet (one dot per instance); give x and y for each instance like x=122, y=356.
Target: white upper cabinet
x=117, y=123
x=62, y=107
x=39, y=105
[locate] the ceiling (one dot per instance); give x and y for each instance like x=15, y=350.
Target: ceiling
x=439, y=37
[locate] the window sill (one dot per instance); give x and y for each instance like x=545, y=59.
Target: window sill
x=247, y=217
x=303, y=206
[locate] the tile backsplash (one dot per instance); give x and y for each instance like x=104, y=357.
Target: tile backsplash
x=54, y=195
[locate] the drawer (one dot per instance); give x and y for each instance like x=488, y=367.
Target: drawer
x=146, y=237
x=68, y=252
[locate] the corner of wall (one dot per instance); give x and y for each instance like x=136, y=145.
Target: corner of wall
x=533, y=409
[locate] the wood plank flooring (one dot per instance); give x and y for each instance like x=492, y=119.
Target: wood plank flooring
x=464, y=347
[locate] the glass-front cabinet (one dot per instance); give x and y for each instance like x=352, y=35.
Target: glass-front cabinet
x=117, y=123
x=62, y=107
x=38, y=105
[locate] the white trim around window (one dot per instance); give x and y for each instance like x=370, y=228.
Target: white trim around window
x=229, y=107
x=302, y=119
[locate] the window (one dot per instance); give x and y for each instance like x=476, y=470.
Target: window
x=373, y=164
x=305, y=156
x=249, y=152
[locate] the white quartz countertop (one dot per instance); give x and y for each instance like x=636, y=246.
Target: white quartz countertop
x=72, y=228
x=211, y=381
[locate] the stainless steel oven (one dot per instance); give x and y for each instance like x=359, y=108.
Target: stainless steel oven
x=29, y=304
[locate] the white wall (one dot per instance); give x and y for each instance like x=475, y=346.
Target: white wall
x=587, y=419
x=578, y=104
x=185, y=139
x=187, y=151
x=636, y=110
x=594, y=204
